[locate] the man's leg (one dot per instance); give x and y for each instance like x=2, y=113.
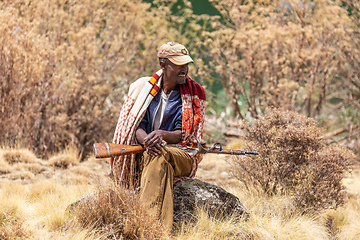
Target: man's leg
x=157, y=177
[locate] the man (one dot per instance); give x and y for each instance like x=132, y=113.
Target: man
x=167, y=108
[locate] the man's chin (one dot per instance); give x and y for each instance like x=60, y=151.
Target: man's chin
x=181, y=80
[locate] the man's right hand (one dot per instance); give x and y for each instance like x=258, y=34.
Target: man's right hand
x=153, y=142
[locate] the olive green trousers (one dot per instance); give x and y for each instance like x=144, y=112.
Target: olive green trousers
x=157, y=175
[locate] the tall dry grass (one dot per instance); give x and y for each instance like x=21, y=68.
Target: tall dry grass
x=117, y=213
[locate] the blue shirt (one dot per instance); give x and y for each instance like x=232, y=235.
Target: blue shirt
x=172, y=119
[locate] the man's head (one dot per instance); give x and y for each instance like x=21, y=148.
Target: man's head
x=175, y=52
x=174, y=60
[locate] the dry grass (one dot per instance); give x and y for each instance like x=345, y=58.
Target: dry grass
x=36, y=209
x=116, y=213
x=69, y=157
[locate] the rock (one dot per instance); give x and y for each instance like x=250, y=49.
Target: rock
x=191, y=194
x=88, y=199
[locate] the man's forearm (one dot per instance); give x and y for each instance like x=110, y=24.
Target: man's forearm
x=171, y=137
x=140, y=135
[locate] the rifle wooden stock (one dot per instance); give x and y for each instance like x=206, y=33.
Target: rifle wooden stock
x=106, y=150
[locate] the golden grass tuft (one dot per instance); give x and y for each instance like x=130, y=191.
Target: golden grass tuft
x=13, y=189
x=117, y=213
x=345, y=221
x=16, y=156
x=67, y=158
x=5, y=168
x=40, y=190
x=15, y=230
x=210, y=228
x=12, y=214
x=49, y=203
x=9, y=212
x=20, y=164
x=274, y=217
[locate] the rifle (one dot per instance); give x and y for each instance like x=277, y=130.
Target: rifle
x=106, y=150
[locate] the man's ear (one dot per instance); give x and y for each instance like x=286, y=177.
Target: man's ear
x=162, y=65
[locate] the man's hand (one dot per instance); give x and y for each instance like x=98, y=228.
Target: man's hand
x=153, y=142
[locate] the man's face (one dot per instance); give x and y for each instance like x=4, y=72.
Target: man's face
x=175, y=73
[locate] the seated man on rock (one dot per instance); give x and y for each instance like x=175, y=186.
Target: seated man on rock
x=167, y=108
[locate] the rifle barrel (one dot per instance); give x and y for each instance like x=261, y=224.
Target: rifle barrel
x=230, y=151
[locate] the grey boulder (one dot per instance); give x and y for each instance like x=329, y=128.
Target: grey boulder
x=193, y=194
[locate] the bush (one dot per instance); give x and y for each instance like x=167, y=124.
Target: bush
x=65, y=67
x=294, y=160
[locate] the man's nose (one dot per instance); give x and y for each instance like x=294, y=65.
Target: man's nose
x=185, y=67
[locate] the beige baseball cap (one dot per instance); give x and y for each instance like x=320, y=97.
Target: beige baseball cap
x=175, y=52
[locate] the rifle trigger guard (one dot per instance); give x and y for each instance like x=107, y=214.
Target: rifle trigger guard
x=217, y=146
x=200, y=147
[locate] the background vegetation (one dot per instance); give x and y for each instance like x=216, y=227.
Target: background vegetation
x=66, y=65
x=290, y=69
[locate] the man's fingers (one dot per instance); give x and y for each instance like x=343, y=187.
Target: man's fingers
x=158, y=146
x=155, y=139
x=152, y=142
x=153, y=151
x=149, y=144
x=153, y=136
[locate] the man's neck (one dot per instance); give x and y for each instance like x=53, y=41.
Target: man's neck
x=167, y=88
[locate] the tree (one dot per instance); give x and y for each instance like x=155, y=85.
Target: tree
x=287, y=54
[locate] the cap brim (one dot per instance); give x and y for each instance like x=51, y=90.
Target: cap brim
x=181, y=60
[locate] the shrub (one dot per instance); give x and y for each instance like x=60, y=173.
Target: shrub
x=65, y=67
x=294, y=159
